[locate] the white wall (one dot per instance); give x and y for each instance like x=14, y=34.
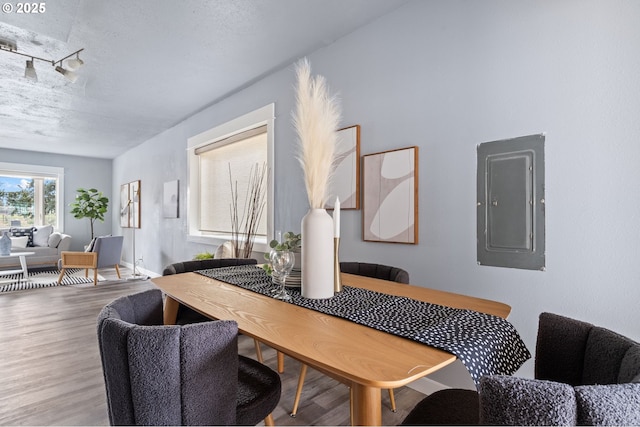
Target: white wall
x=446, y=76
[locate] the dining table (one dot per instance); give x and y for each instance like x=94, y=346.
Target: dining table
x=364, y=358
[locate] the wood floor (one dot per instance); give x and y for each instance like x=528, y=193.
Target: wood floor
x=50, y=371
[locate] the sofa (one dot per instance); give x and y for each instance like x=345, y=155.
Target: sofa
x=43, y=240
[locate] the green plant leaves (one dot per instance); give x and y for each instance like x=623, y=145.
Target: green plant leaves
x=90, y=204
x=290, y=242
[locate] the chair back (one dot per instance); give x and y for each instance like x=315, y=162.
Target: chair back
x=185, y=314
x=204, y=264
x=578, y=353
x=109, y=250
x=166, y=375
x=584, y=375
x=377, y=271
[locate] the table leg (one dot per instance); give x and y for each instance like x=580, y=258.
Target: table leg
x=367, y=408
x=280, y=362
x=170, y=311
x=23, y=264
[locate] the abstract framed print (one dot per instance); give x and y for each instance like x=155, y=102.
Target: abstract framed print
x=390, y=211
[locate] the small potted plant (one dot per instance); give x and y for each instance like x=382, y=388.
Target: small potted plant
x=90, y=204
x=291, y=241
x=203, y=255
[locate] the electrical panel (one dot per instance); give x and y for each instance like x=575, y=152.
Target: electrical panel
x=511, y=205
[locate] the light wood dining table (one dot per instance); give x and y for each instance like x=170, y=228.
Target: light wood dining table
x=363, y=358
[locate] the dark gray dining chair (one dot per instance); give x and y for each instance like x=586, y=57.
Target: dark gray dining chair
x=185, y=314
x=376, y=271
x=179, y=374
x=584, y=375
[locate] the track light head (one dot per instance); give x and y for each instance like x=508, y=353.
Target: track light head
x=30, y=71
x=8, y=45
x=75, y=63
x=70, y=75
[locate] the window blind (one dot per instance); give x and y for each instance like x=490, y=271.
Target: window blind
x=237, y=154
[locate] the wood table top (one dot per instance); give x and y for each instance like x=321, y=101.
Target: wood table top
x=347, y=350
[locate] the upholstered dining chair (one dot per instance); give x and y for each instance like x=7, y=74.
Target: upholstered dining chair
x=103, y=252
x=584, y=375
x=377, y=271
x=178, y=374
x=187, y=315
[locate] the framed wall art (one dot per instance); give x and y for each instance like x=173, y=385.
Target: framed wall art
x=130, y=205
x=345, y=182
x=390, y=211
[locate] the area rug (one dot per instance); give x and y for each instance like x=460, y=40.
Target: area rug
x=45, y=279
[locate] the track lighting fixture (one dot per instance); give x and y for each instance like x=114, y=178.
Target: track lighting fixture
x=30, y=71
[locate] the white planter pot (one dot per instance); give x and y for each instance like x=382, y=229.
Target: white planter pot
x=317, y=254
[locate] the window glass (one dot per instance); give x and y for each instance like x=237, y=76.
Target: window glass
x=27, y=200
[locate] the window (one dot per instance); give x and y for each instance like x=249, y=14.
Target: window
x=238, y=152
x=30, y=195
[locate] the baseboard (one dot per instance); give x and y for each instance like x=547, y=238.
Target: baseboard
x=454, y=375
x=142, y=271
x=427, y=386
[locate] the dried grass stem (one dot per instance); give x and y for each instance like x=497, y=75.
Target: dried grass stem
x=316, y=120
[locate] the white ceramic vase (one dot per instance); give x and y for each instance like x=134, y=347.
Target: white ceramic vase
x=5, y=244
x=317, y=254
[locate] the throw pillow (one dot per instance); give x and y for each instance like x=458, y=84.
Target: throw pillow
x=54, y=240
x=89, y=247
x=18, y=232
x=19, y=242
x=41, y=235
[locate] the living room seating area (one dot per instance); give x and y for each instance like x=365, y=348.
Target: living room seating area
x=43, y=240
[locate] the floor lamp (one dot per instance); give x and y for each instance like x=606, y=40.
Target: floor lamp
x=132, y=208
x=135, y=275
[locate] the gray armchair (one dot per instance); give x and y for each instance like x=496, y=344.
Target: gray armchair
x=178, y=375
x=584, y=375
x=103, y=252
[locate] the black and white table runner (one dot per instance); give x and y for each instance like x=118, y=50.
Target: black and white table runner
x=486, y=344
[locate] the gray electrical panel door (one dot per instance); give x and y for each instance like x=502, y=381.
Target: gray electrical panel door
x=511, y=203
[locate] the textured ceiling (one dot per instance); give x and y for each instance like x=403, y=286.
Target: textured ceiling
x=149, y=64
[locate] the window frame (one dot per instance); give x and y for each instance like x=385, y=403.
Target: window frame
x=260, y=117
x=38, y=171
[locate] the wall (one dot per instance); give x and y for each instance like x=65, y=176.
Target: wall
x=446, y=76
x=79, y=172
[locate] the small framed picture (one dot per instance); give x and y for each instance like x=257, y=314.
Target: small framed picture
x=130, y=205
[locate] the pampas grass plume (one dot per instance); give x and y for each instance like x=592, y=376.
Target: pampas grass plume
x=316, y=119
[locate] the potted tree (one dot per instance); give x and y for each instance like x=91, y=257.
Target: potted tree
x=90, y=204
